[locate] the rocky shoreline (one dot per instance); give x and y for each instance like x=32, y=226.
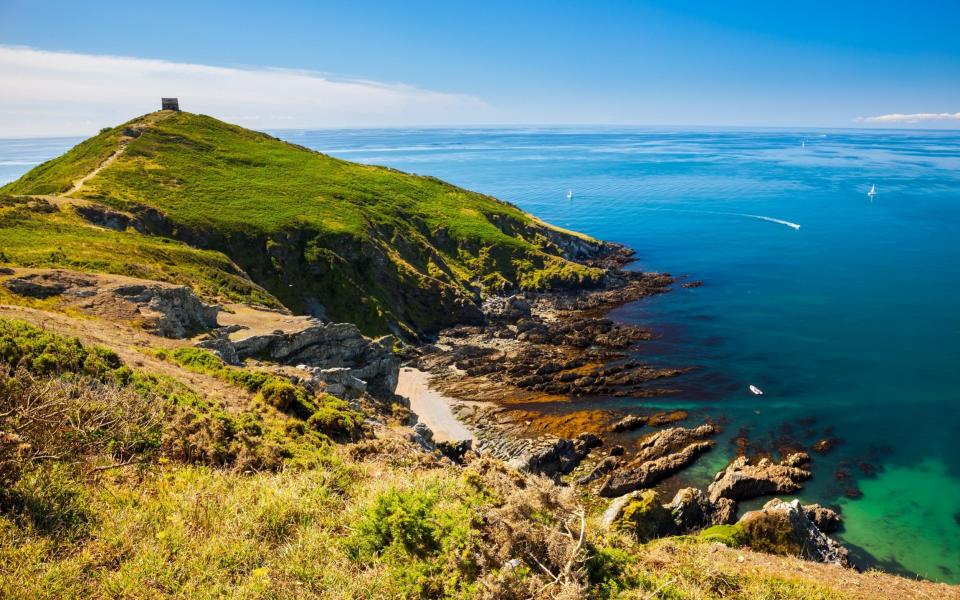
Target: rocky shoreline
x=536, y=351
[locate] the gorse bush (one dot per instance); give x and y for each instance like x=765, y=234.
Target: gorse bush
x=39, y=351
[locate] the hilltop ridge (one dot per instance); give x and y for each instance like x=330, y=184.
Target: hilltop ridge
x=290, y=227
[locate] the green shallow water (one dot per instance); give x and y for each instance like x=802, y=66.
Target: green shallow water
x=851, y=324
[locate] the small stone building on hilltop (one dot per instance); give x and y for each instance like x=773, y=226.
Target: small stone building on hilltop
x=169, y=104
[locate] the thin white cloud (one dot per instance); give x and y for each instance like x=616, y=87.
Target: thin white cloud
x=896, y=118
x=63, y=93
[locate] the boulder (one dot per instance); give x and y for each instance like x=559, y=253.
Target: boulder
x=170, y=311
x=784, y=528
x=742, y=480
x=336, y=354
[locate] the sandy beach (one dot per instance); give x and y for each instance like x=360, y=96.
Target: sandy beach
x=432, y=407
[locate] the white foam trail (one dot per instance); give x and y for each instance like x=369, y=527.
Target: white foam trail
x=772, y=220
x=790, y=224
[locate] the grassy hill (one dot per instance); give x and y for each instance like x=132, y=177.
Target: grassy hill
x=387, y=250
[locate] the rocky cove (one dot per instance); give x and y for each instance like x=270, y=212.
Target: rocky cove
x=531, y=350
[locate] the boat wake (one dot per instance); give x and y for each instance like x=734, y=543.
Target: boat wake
x=772, y=220
x=792, y=225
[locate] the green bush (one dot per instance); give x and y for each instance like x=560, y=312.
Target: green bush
x=401, y=520
x=42, y=352
x=335, y=418
x=282, y=394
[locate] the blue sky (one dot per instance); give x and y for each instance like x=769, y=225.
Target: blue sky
x=813, y=64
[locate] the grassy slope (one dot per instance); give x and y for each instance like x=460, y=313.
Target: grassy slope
x=373, y=245
x=34, y=233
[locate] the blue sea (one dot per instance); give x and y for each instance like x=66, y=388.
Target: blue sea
x=849, y=323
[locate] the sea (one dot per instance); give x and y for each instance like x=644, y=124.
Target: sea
x=844, y=308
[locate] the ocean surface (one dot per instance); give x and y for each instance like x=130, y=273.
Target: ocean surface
x=849, y=323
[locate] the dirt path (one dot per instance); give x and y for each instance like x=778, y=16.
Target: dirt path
x=146, y=122
x=79, y=183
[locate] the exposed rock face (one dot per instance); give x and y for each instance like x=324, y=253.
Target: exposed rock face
x=641, y=514
x=690, y=509
x=784, y=528
x=336, y=354
x=33, y=287
x=827, y=520
x=104, y=217
x=724, y=512
x=742, y=480
x=510, y=309
x=555, y=456
x=172, y=311
x=653, y=471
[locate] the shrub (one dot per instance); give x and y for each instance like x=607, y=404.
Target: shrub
x=281, y=394
x=400, y=520
x=335, y=418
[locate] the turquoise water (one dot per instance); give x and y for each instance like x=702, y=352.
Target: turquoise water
x=850, y=324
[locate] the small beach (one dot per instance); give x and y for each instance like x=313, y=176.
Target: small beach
x=432, y=407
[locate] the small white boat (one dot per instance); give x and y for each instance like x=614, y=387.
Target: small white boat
x=873, y=191
x=755, y=390
x=569, y=194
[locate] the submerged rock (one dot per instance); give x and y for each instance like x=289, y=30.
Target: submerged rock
x=742, y=480
x=784, y=528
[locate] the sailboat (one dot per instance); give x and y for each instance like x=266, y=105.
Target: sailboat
x=873, y=191
x=569, y=194
x=755, y=390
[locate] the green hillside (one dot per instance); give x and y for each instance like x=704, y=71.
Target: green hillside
x=385, y=249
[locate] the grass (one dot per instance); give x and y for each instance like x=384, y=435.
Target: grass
x=34, y=233
x=390, y=251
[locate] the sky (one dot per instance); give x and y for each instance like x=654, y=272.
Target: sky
x=69, y=68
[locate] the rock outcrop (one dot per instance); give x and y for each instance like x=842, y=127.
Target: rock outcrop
x=659, y=456
x=690, y=509
x=826, y=519
x=784, y=528
x=172, y=311
x=335, y=354
x=555, y=456
x=742, y=480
